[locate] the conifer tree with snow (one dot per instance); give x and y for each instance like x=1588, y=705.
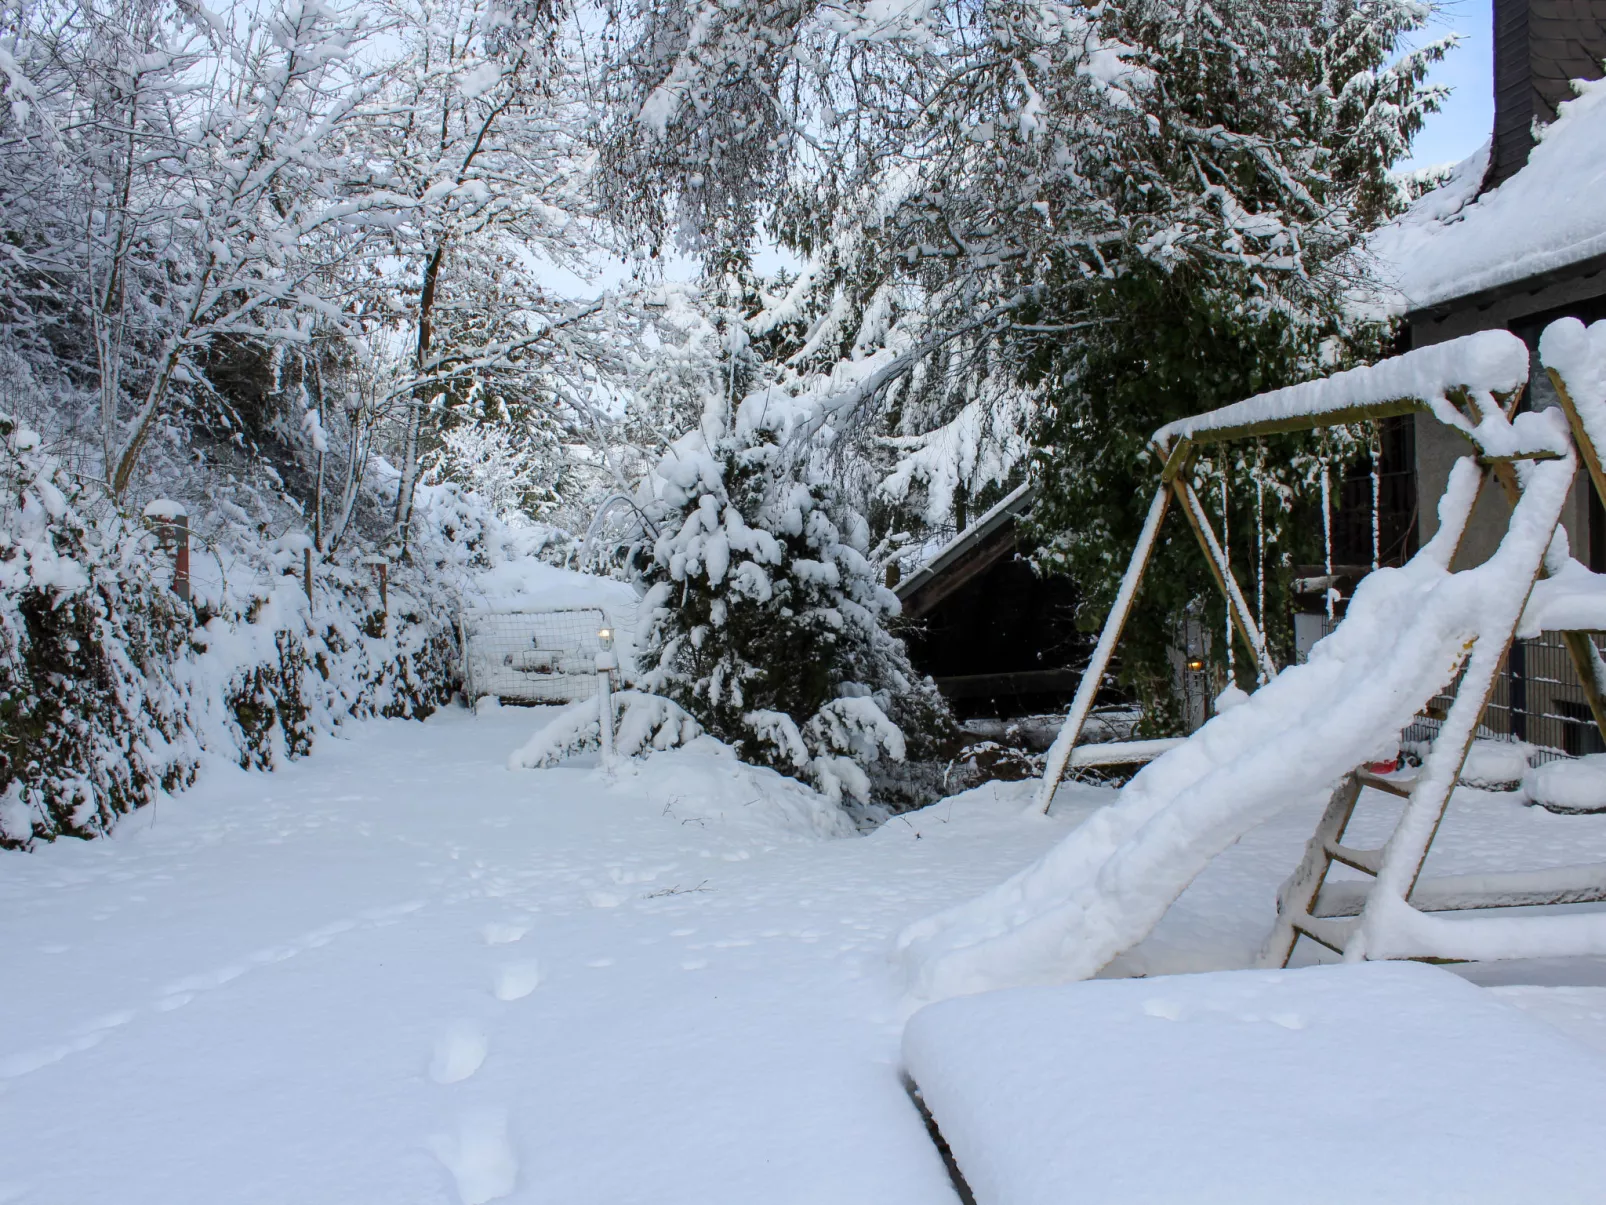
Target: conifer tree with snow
x=765, y=620
x=1093, y=218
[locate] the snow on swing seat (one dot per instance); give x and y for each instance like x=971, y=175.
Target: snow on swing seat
x=1385, y=1082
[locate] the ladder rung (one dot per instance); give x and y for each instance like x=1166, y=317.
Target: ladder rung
x=1388, y=786
x=1334, y=934
x=1367, y=861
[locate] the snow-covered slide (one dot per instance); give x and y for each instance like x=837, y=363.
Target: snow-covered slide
x=1406, y=633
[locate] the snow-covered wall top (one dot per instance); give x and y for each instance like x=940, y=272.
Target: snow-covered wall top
x=1486, y=362
x=1552, y=213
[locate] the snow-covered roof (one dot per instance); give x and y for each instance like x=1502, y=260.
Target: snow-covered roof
x=1017, y=500
x=1552, y=214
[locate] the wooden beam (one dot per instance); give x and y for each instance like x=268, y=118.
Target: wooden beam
x=1586, y=445
x=1237, y=608
x=1304, y=422
x=1059, y=753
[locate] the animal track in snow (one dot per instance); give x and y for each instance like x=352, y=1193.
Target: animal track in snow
x=517, y=980
x=458, y=1053
x=480, y=1157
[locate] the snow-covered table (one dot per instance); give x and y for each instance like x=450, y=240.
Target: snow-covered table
x=1376, y=1082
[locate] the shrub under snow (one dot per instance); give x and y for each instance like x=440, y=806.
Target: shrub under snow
x=112, y=687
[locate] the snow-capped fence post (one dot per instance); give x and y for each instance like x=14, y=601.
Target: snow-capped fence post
x=607, y=661
x=381, y=568
x=171, y=523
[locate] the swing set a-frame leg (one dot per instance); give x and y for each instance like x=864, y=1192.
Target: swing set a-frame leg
x=1059, y=753
x=1586, y=657
x=1172, y=482
x=1248, y=630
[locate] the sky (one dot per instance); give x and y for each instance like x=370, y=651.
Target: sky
x=1467, y=118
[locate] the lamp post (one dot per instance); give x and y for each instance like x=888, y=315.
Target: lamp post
x=607, y=662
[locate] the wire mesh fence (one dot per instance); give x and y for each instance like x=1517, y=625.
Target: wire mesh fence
x=1537, y=699
x=533, y=656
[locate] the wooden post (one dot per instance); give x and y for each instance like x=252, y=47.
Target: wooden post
x=1586, y=445
x=180, y=532
x=1059, y=754
x=1586, y=658
x=1237, y=608
x=306, y=572
x=171, y=524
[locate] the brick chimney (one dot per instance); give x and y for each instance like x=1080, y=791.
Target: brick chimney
x=1539, y=46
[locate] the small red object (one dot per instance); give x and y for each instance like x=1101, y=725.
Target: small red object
x=1384, y=767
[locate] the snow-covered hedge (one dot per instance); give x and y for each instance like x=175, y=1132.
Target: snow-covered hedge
x=112, y=687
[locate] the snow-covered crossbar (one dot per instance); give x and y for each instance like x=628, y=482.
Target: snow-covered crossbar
x=1407, y=633
x=1486, y=365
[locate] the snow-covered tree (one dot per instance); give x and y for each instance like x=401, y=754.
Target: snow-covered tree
x=482, y=138
x=971, y=182
x=182, y=194
x=765, y=620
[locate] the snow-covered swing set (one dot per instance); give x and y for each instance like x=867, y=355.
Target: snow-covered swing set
x=1408, y=634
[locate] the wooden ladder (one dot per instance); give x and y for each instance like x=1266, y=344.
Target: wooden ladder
x=1333, y=918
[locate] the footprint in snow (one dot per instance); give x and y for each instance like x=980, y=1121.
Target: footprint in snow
x=517, y=980
x=499, y=933
x=480, y=1157
x=458, y=1053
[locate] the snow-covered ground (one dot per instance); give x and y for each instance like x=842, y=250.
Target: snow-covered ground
x=399, y=972
x=669, y=989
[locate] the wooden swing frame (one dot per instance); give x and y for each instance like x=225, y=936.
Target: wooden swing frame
x=1303, y=910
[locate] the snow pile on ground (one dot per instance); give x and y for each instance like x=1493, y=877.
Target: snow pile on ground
x=397, y=972
x=1315, y=1085
x=1568, y=785
x=432, y=979
x=1496, y=765
x=642, y=723
x=1453, y=243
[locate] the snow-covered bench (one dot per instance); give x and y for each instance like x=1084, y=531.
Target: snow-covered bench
x=1386, y=1082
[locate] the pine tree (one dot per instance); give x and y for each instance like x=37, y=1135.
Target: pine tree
x=765, y=620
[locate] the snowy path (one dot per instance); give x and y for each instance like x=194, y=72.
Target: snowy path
x=397, y=972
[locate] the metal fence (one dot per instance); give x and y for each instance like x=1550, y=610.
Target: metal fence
x=1537, y=698
x=536, y=656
